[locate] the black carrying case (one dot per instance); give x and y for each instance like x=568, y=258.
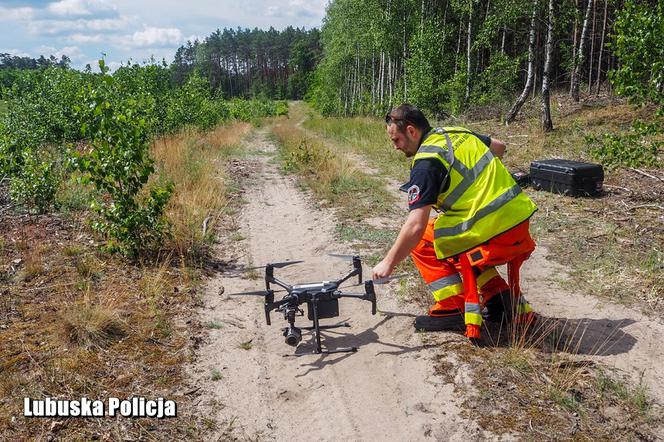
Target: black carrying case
x=574, y=178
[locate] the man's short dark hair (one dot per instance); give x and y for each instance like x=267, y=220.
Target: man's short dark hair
x=406, y=114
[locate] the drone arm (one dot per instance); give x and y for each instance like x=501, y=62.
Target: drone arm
x=270, y=305
x=369, y=295
x=348, y=276
x=280, y=283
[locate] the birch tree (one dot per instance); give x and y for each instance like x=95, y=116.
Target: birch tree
x=547, y=124
x=512, y=113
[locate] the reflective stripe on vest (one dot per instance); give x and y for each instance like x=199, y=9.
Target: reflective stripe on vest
x=493, y=206
x=482, y=199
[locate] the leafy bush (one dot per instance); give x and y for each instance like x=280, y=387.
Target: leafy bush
x=639, y=45
x=107, y=122
x=640, y=147
x=119, y=166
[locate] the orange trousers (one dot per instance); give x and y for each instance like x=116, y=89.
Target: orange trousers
x=442, y=276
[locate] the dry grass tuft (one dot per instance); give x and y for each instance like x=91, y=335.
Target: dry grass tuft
x=34, y=264
x=92, y=325
x=335, y=177
x=193, y=161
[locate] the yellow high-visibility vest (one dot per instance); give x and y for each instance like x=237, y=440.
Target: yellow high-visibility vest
x=482, y=199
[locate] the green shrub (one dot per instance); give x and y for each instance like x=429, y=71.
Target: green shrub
x=640, y=147
x=119, y=166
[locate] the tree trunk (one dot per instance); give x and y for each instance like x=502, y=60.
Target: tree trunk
x=502, y=44
x=405, y=47
x=547, y=124
x=579, y=54
x=601, y=48
x=458, y=50
x=469, y=44
x=531, y=69
x=592, y=49
x=574, y=43
x=536, y=63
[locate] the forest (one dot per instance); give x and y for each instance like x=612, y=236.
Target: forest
x=447, y=55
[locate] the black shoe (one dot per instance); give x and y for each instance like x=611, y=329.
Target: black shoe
x=453, y=321
x=499, y=308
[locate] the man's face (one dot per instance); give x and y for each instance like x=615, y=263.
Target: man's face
x=406, y=141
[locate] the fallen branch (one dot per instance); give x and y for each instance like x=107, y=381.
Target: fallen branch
x=205, y=223
x=618, y=187
x=647, y=174
x=32, y=289
x=530, y=424
x=640, y=206
x=186, y=393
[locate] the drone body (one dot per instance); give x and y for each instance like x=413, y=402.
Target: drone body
x=322, y=299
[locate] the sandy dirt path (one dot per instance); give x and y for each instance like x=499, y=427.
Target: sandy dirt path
x=385, y=391
x=596, y=329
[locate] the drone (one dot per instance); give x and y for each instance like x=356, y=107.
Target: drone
x=322, y=299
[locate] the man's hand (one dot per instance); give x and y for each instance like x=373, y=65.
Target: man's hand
x=497, y=148
x=382, y=270
x=410, y=234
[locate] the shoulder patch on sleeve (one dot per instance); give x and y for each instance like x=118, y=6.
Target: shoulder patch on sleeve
x=413, y=194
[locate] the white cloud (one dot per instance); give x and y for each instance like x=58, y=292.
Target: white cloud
x=84, y=38
x=16, y=14
x=151, y=36
x=53, y=27
x=15, y=52
x=109, y=24
x=297, y=8
x=65, y=8
x=73, y=52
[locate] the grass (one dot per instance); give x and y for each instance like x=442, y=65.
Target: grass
x=634, y=397
x=90, y=325
x=246, y=345
x=3, y=107
x=366, y=136
x=194, y=162
x=366, y=236
x=525, y=393
x=215, y=324
x=335, y=179
x=216, y=375
x=237, y=237
x=99, y=341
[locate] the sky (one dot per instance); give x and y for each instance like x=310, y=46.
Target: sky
x=136, y=30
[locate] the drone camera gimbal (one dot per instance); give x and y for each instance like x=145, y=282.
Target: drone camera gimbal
x=322, y=299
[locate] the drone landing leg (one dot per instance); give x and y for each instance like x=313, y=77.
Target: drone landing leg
x=317, y=327
x=327, y=327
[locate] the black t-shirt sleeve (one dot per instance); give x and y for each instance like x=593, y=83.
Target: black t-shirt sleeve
x=426, y=178
x=485, y=139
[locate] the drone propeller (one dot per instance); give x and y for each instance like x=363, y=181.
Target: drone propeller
x=252, y=293
x=387, y=279
x=276, y=265
x=341, y=256
x=256, y=293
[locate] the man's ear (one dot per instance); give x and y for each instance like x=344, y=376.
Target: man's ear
x=413, y=132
